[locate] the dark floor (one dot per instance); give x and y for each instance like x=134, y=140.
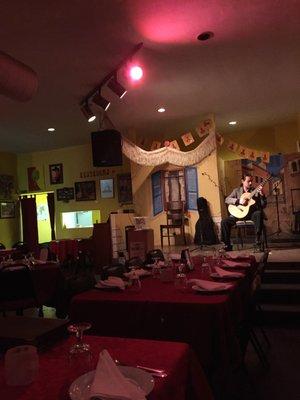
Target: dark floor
x=282, y=379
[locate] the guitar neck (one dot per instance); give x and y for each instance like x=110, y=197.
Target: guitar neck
x=253, y=193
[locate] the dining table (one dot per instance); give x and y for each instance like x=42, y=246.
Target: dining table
x=208, y=321
x=184, y=378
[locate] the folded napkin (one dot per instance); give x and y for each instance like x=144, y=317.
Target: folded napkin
x=111, y=282
x=238, y=255
x=137, y=272
x=110, y=384
x=39, y=262
x=209, y=285
x=227, y=274
x=230, y=263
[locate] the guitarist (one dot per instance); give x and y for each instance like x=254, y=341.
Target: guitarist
x=255, y=212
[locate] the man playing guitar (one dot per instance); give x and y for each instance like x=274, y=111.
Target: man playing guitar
x=255, y=213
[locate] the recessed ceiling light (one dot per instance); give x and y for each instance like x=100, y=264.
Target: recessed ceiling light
x=51, y=129
x=232, y=123
x=205, y=36
x=161, y=110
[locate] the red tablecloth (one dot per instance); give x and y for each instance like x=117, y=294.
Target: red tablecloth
x=55, y=376
x=65, y=247
x=159, y=311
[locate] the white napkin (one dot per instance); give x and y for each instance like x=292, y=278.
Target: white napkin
x=137, y=272
x=39, y=262
x=224, y=274
x=112, y=282
x=238, y=255
x=110, y=384
x=231, y=263
x=209, y=285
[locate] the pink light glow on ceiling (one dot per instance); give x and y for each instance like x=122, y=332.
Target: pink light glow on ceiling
x=171, y=21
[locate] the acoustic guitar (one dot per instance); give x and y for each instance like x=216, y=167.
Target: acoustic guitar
x=240, y=211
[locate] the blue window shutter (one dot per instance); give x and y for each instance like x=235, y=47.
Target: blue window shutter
x=191, y=185
x=157, y=194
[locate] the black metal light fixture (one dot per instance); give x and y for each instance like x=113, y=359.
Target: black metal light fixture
x=101, y=101
x=111, y=80
x=116, y=87
x=87, y=112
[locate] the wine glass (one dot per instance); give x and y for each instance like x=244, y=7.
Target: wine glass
x=80, y=355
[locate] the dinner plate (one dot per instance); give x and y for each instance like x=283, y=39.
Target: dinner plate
x=80, y=388
x=215, y=275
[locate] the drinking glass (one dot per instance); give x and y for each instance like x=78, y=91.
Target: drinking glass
x=135, y=283
x=80, y=355
x=180, y=282
x=156, y=268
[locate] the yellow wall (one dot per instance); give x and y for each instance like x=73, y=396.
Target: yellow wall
x=75, y=160
x=9, y=227
x=142, y=194
x=280, y=138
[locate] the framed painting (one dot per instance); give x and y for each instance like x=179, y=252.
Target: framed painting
x=124, y=189
x=85, y=191
x=56, y=174
x=107, y=188
x=65, y=194
x=7, y=210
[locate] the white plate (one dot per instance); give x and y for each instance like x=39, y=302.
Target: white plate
x=233, y=275
x=80, y=388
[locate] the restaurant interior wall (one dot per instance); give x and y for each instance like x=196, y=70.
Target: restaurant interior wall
x=10, y=227
x=77, y=163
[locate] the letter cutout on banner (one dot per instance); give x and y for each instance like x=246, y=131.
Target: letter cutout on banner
x=187, y=138
x=232, y=146
x=220, y=139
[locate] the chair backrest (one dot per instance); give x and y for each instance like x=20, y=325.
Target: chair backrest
x=21, y=246
x=175, y=213
x=44, y=252
x=16, y=284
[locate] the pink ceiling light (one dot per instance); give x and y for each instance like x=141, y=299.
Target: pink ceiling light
x=135, y=73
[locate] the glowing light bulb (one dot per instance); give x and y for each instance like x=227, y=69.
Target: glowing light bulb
x=136, y=73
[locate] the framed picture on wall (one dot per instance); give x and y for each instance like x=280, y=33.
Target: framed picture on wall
x=65, y=194
x=85, y=191
x=56, y=174
x=124, y=189
x=107, y=188
x=7, y=210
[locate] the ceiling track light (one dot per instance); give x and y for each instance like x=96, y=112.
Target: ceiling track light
x=88, y=113
x=101, y=101
x=116, y=87
x=112, y=83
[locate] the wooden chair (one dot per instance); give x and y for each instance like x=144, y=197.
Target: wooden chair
x=175, y=221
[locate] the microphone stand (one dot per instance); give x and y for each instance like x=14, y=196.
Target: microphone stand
x=276, y=191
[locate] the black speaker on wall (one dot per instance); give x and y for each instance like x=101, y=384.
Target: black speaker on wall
x=106, y=148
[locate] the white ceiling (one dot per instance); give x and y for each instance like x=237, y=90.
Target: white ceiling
x=248, y=72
